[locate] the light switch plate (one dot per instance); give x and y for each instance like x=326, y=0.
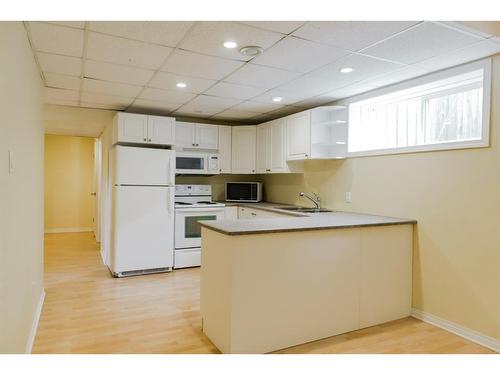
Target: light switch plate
x=348, y=197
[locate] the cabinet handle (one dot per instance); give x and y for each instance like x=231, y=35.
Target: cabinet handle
x=254, y=214
x=253, y=170
x=193, y=144
x=149, y=139
x=268, y=170
x=145, y=139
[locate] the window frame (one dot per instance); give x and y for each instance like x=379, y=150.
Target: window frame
x=484, y=64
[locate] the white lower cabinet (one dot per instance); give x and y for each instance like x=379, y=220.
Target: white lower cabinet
x=243, y=149
x=231, y=212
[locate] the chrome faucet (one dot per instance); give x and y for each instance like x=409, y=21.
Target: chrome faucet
x=316, y=200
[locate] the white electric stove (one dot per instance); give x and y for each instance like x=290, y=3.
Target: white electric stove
x=192, y=204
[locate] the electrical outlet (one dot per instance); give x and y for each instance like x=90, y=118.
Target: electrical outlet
x=348, y=197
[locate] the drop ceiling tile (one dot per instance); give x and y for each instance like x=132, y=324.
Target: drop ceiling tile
x=117, y=73
x=75, y=24
x=231, y=90
x=261, y=76
x=196, y=110
x=400, y=75
x=214, y=102
x=299, y=55
x=144, y=104
x=257, y=107
x=208, y=38
x=110, y=88
x=421, y=42
x=53, y=94
x=285, y=111
x=168, y=81
x=288, y=97
x=102, y=106
x=314, y=101
x=469, y=27
x=231, y=114
x=60, y=64
x=284, y=27
x=475, y=51
x=351, y=35
x=62, y=81
x=112, y=100
x=167, y=33
x=168, y=96
x=126, y=52
x=56, y=39
x=202, y=66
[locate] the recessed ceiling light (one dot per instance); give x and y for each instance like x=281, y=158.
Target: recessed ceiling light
x=251, y=50
x=181, y=85
x=230, y=44
x=346, y=70
x=277, y=99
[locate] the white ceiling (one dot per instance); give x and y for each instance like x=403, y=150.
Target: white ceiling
x=135, y=66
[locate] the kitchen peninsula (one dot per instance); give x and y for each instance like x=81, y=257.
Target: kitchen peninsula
x=272, y=283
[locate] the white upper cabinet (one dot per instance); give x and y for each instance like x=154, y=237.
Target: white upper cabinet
x=243, y=149
x=207, y=136
x=271, y=147
x=298, y=128
x=143, y=129
x=198, y=136
x=263, y=148
x=185, y=134
x=318, y=133
x=224, y=149
x=161, y=130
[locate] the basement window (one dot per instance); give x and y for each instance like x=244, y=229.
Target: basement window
x=441, y=111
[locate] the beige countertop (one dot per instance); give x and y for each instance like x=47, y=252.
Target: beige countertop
x=297, y=221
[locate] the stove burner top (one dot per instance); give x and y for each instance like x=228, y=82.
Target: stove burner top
x=184, y=203
x=205, y=202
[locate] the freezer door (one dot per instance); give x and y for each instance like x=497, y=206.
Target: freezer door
x=144, y=166
x=142, y=228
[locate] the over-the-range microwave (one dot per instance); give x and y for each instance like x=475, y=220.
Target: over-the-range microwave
x=243, y=191
x=193, y=162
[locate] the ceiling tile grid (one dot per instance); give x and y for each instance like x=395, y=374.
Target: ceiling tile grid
x=138, y=64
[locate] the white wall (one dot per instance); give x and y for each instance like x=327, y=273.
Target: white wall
x=21, y=192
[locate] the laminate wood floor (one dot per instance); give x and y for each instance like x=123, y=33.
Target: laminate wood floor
x=88, y=311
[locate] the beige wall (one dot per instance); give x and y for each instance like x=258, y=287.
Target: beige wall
x=69, y=180
x=21, y=192
x=454, y=195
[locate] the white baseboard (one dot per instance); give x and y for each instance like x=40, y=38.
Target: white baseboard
x=69, y=230
x=34, y=325
x=467, y=333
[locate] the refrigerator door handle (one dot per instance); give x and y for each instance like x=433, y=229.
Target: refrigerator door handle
x=169, y=203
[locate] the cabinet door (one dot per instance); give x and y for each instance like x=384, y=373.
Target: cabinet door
x=224, y=149
x=207, y=136
x=262, y=150
x=298, y=128
x=132, y=127
x=243, y=149
x=185, y=134
x=277, y=149
x=161, y=130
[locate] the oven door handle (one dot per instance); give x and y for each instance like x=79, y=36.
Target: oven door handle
x=195, y=210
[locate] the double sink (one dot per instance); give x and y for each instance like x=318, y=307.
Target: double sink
x=304, y=209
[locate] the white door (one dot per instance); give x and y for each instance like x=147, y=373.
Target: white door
x=143, y=228
x=277, y=146
x=207, y=136
x=185, y=134
x=132, y=128
x=298, y=128
x=161, y=130
x=187, y=228
x=243, y=149
x=143, y=166
x=262, y=155
x=224, y=149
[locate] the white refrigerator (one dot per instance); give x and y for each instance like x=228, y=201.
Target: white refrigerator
x=142, y=210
